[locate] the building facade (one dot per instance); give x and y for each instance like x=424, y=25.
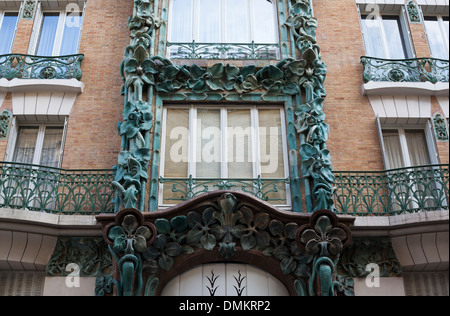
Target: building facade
x=224, y=147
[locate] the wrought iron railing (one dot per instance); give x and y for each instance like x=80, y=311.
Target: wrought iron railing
x=40, y=67
x=391, y=192
x=181, y=189
x=405, y=70
x=53, y=190
x=194, y=50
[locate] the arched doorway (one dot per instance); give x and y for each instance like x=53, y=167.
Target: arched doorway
x=225, y=279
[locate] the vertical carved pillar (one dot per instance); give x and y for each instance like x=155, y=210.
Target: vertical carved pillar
x=137, y=74
x=310, y=119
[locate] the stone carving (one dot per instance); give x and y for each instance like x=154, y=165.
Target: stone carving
x=230, y=225
x=5, y=121
x=413, y=12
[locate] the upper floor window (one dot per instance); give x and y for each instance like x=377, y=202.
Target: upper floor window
x=385, y=36
x=224, y=22
x=8, y=23
x=39, y=145
x=59, y=33
x=438, y=35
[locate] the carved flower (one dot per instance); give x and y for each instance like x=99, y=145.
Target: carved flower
x=202, y=231
x=323, y=239
x=138, y=118
x=163, y=252
x=129, y=237
x=253, y=233
x=316, y=163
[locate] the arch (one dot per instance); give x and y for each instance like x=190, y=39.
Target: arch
x=152, y=248
x=225, y=279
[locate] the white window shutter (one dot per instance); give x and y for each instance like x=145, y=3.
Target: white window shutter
x=21, y=283
x=383, y=148
x=431, y=141
x=36, y=30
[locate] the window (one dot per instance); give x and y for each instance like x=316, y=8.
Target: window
x=405, y=148
x=242, y=144
x=223, y=21
x=39, y=145
x=385, y=36
x=59, y=33
x=438, y=38
x=8, y=23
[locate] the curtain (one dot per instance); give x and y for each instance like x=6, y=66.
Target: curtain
x=394, y=37
x=181, y=21
x=51, y=147
x=26, y=145
x=372, y=37
x=264, y=21
x=393, y=150
x=436, y=38
x=208, y=144
x=71, y=35
x=48, y=34
x=417, y=148
x=7, y=30
x=210, y=26
x=238, y=25
x=239, y=144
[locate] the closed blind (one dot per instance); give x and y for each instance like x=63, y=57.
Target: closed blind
x=426, y=283
x=23, y=283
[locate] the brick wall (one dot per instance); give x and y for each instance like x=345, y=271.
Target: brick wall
x=93, y=142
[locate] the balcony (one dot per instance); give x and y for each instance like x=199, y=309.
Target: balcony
x=21, y=66
x=235, y=51
x=392, y=192
x=357, y=193
x=405, y=70
x=56, y=191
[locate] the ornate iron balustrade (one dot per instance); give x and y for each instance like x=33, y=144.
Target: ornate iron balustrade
x=194, y=50
x=405, y=70
x=39, y=67
x=269, y=190
x=391, y=192
x=53, y=190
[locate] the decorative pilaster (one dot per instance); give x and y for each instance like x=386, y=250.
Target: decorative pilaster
x=310, y=119
x=137, y=74
x=28, y=9
x=413, y=12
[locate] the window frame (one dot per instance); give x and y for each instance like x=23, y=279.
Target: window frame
x=401, y=129
x=440, y=20
x=408, y=46
x=195, y=22
x=192, y=161
x=14, y=136
x=2, y=15
x=37, y=29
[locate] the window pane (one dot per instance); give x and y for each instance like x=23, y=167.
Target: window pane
x=271, y=153
x=393, y=149
x=263, y=10
x=209, y=29
x=177, y=144
x=71, y=35
x=238, y=30
x=239, y=146
x=372, y=37
x=26, y=145
x=7, y=29
x=445, y=22
x=51, y=147
x=176, y=151
x=417, y=148
x=394, y=37
x=48, y=34
x=271, y=144
x=181, y=21
x=435, y=38
x=208, y=142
